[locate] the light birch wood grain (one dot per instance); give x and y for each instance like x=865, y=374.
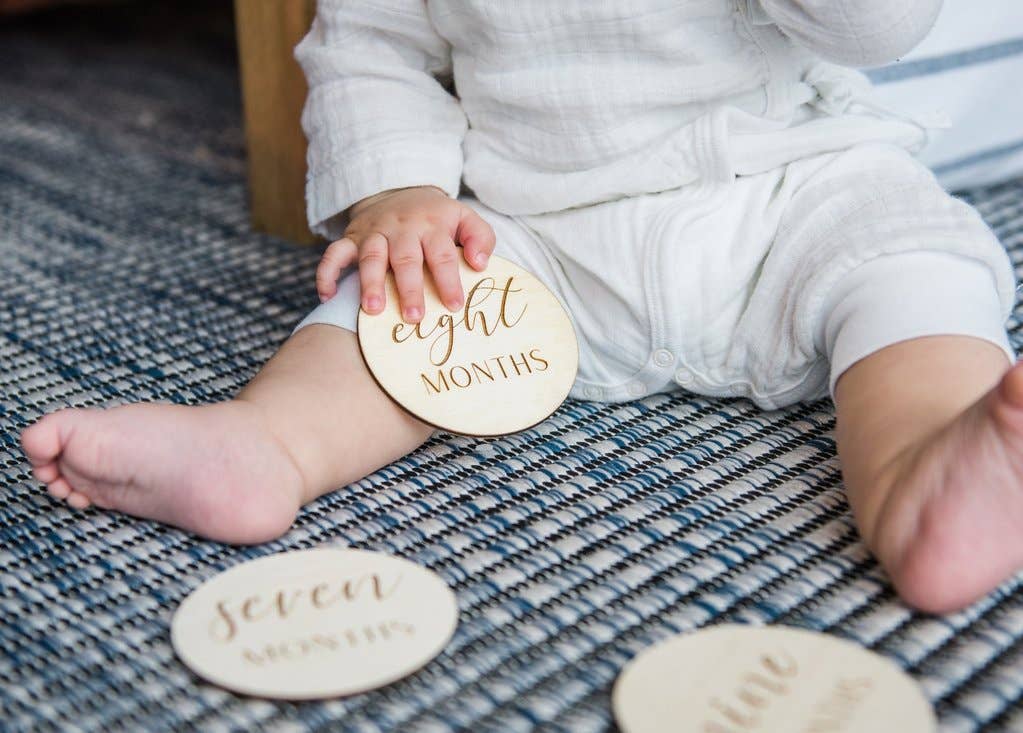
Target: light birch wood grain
x=312, y=624
x=473, y=371
x=743, y=679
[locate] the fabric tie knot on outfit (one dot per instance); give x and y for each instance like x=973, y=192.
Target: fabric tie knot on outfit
x=835, y=89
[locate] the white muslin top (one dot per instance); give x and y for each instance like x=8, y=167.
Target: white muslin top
x=543, y=105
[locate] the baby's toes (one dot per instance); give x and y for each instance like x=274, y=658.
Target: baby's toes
x=59, y=489
x=78, y=500
x=1011, y=386
x=41, y=441
x=47, y=473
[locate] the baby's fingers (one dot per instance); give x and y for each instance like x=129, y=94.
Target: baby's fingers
x=335, y=258
x=442, y=258
x=372, y=270
x=477, y=238
x=406, y=254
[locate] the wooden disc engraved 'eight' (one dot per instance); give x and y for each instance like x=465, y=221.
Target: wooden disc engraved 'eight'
x=502, y=363
x=743, y=679
x=311, y=624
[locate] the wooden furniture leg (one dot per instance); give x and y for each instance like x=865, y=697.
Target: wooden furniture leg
x=273, y=92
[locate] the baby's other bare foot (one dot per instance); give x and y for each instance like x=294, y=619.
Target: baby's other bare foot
x=216, y=470
x=952, y=527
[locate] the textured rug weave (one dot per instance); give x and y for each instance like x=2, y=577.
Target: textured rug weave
x=127, y=273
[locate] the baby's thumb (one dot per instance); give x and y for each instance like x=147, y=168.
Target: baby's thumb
x=335, y=258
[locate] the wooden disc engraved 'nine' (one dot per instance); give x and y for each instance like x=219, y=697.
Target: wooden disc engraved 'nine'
x=501, y=364
x=315, y=623
x=743, y=679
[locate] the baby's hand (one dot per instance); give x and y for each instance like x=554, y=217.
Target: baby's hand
x=402, y=227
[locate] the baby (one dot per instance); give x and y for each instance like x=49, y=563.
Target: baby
x=707, y=188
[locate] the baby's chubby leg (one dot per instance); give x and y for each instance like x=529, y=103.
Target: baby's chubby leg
x=930, y=436
x=312, y=420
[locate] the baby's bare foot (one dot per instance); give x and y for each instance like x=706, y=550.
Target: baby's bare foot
x=952, y=527
x=216, y=470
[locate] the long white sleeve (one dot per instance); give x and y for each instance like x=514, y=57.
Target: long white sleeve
x=851, y=32
x=377, y=117
x=573, y=102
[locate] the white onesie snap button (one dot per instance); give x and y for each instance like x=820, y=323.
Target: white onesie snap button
x=684, y=376
x=663, y=357
x=592, y=392
x=636, y=389
x=740, y=389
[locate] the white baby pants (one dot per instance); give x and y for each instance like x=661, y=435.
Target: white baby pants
x=767, y=286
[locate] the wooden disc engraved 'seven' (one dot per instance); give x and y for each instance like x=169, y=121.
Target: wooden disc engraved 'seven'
x=502, y=363
x=311, y=624
x=743, y=679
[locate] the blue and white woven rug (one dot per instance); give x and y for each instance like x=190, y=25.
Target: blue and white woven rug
x=127, y=273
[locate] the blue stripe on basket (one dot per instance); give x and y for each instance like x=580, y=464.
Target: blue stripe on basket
x=939, y=64
x=979, y=157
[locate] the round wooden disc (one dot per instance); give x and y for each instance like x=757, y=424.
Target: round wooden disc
x=501, y=364
x=314, y=623
x=766, y=679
